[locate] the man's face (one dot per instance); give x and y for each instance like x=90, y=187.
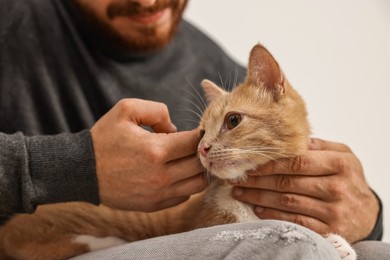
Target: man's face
x=136, y=25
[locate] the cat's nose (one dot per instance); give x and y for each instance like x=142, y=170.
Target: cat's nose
x=203, y=149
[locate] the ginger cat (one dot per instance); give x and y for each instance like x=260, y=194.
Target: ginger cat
x=262, y=119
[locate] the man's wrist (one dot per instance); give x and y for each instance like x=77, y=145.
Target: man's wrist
x=61, y=168
x=377, y=231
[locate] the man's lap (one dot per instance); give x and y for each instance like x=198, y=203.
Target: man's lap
x=265, y=239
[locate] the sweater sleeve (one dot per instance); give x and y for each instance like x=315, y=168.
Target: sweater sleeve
x=377, y=232
x=45, y=169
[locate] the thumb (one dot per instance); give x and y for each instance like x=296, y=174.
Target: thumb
x=153, y=114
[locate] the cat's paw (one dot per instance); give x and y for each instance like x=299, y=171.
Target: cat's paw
x=95, y=243
x=346, y=252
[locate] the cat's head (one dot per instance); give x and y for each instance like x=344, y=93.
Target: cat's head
x=260, y=120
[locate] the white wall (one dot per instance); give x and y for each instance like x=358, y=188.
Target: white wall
x=336, y=54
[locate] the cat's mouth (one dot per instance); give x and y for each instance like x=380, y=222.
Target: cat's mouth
x=230, y=170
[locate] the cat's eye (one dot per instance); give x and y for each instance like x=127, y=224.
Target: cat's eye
x=233, y=120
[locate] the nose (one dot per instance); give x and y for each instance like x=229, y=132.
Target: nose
x=203, y=149
x=145, y=3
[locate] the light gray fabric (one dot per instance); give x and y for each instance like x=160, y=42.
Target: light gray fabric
x=266, y=239
x=372, y=250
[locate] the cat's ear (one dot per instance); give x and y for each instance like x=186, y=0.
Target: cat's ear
x=264, y=71
x=211, y=90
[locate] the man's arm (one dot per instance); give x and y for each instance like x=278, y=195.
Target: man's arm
x=135, y=169
x=45, y=169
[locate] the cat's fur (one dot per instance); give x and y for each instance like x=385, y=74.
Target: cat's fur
x=272, y=125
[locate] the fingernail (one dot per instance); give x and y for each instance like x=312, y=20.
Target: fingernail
x=173, y=128
x=259, y=209
x=312, y=144
x=237, y=192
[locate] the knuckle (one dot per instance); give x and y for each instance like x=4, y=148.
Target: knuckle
x=300, y=220
x=163, y=110
x=299, y=164
x=335, y=190
x=158, y=154
x=283, y=182
x=124, y=105
x=287, y=200
x=342, y=164
x=159, y=182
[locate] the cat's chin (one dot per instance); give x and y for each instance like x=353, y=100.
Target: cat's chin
x=232, y=171
x=235, y=176
x=229, y=174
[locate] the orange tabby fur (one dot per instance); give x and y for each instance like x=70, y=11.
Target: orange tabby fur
x=274, y=124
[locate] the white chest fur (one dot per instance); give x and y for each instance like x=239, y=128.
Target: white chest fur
x=221, y=197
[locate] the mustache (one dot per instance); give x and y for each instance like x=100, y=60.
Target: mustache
x=127, y=8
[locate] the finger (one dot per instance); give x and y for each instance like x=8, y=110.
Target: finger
x=179, y=145
x=184, y=168
x=319, y=144
x=306, y=221
x=186, y=187
x=148, y=113
x=169, y=203
x=314, y=163
x=316, y=187
x=288, y=202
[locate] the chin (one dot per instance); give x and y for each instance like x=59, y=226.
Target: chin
x=226, y=170
x=230, y=172
x=231, y=175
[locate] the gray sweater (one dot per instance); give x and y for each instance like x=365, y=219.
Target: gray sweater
x=58, y=77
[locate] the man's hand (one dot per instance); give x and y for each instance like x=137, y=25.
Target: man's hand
x=140, y=170
x=324, y=190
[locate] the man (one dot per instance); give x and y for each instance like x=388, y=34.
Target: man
x=69, y=131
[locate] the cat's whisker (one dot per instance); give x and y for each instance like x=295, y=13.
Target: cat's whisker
x=256, y=149
x=235, y=153
x=183, y=108
x=198, y=96
x=228, y=81
x=281, y=155
x=235, y=81
x=261, y=152
x=199, y=109
x=294, y=160
x=253, y=151
x=239, y=158
x=223, y=85
x=267, y=147
x=208, y=177
x=189, y=120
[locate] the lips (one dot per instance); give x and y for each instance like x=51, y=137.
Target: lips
x=147, y=18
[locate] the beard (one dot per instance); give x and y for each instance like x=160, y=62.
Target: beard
x=144, y=38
